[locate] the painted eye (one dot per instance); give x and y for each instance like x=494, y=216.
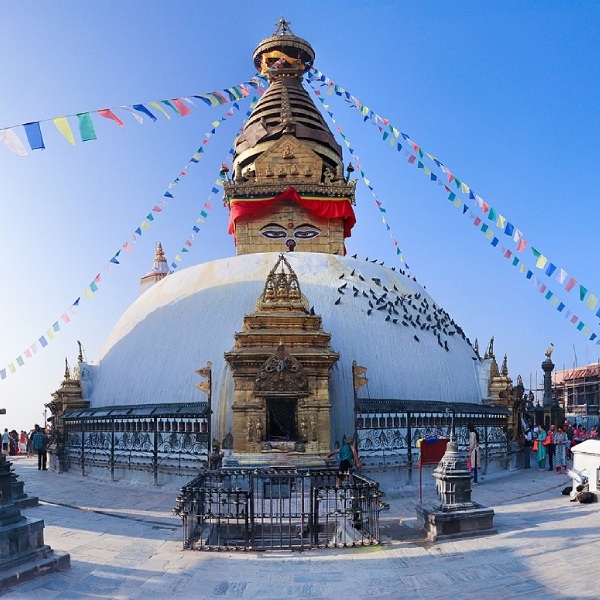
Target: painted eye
x=306, y=234
x=273, y=234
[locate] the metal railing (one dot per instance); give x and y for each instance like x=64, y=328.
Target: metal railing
x=278, y=509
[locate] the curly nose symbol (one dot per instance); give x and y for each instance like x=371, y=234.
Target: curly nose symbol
x=291, y=244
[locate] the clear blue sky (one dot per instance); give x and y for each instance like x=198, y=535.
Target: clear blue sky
x=504, y=94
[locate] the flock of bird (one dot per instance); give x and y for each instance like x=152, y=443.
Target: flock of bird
x=400, y=308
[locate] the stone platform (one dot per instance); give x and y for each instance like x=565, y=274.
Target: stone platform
x=440, y=525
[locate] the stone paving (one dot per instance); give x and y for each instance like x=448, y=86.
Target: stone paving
x=125, y=543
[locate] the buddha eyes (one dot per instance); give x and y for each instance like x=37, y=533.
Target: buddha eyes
x=274, y=231
x=306, y=234
x=273, y=234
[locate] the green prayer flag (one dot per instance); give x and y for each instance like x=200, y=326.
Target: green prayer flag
x=204, y=214
x=20, y=361
x=582, y=292
x=56, y=326
x=86, y=127
x=493, y=215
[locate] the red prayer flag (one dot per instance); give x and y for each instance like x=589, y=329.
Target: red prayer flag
x=570, y=284
x=109, y=114
x=521, y=246
x=181, y=107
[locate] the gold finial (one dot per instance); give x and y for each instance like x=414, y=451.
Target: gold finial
x=549, y=350
x=67, y=371
x=283, y=27
x=160, y=255
x=504, y=367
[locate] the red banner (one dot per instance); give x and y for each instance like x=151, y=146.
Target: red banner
x=325, y=207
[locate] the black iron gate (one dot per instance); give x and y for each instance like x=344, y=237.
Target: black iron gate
x=278, y=509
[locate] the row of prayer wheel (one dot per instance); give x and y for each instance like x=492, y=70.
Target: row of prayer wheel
x=162, y=425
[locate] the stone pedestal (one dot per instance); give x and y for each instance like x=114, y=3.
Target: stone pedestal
x=23, y=554
x=454, y=514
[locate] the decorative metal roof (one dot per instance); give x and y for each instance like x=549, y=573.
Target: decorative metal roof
x=139, y=411
x=376, y=405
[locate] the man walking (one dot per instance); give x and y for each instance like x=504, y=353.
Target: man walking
x=40, y=444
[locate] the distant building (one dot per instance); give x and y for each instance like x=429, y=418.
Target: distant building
x=577, y=390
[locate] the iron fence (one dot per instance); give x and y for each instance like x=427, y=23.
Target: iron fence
x=278, y=509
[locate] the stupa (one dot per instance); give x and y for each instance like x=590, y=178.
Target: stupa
x=281, y=323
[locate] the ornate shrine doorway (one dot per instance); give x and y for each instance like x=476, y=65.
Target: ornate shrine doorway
x=281, y=420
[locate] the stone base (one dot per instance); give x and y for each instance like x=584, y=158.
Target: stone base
x=439, y=525
x=23, y=554
x=38, y=563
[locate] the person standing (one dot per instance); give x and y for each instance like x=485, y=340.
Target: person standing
x=474, y=454
x=40, y=444
x=550, y=446
x=560, y=450
x=541, y=449
x=5, y=442
x=527, y=447
x=348, y=459
x=22, y=442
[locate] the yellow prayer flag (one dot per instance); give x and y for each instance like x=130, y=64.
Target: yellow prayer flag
x=586, y=331
x=522, y=268
x=501, y=222
x=396, y=132
x=426, y=171
x=367, y=181
x=12, y=368
x=393, y=141
x=458, y=203
x=63, y=126
x=554, y=301
x=145, y=225
x=464, y=188
x=215, y=123
x=541, y=262
x=88, y=293
x=177, y=257
x=490, y=234
x=199, y=220
x=50, y=334
x=162, y=110
x=591, y=301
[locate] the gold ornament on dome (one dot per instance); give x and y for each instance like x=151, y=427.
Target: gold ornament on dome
x=283, y=374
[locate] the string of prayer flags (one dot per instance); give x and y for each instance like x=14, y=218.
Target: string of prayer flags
x=85, y=124
x=93, y=287
x=508, y=229
x=225, y=167
x=366, y=181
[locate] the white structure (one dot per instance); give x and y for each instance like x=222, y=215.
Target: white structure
x=586, y=460
x=191, y=316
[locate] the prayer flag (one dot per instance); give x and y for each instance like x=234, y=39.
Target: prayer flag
x=561, y=276
x=521, y=245
x=65, y=129
x=10, y=139
x=66, y=318
x=43, y=342
x=3, y=374
x=551, y=268
x=183, y=109
x=86, y=127
x=139, y=119
x=34, y=136
x=591, y=301
x=12, y=368
x=570, y=284
x=20, y=361
x=109, y=114
x=541, y=262
x=509, y=229
x=141, y=108
x=582, y=292
x=162, y=110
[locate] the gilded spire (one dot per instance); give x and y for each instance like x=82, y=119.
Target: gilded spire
x=504, y=367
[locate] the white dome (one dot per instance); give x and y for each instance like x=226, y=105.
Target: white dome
x=190, y=317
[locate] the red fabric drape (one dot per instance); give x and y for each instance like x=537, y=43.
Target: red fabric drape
x=328, y=208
